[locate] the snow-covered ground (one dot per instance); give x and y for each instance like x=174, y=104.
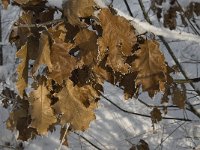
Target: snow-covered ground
x=115, y=129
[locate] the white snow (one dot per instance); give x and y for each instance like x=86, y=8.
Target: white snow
x=55, y=3
x=114, y=129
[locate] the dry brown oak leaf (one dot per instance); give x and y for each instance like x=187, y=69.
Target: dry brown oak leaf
x=101, y=74
x=117, y=40
x=41, y=112
x=43, y=53
x=62, y=62
x=192, y=9
x=74, y=10
x=19, y=35
x=86, y=40
x=128, y=82
x=151, y=67
x=58, y=31
x=141, y=145
x=76, y=105
x=27, y=52
x=22, y=70
x=19, y=119
x=21, y=32
x=179, y=96
x=156, y=115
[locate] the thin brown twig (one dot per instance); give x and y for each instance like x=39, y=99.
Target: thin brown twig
x=87, y=140
x=151, y=130
x=169, y=135
x=38, y=24
x=129, y=9
x=193, y=80
x=144, y=115
x=159, y=106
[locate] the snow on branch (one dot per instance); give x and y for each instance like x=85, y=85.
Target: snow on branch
x=142, y=27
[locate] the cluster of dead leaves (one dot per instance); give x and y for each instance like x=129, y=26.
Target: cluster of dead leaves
x=72, y=59
x=170, y=16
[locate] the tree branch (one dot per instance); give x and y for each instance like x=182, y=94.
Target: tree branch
x=128, y=8
x=193, y=80
x=144, y=115
x=169, y=135
x=87, y=140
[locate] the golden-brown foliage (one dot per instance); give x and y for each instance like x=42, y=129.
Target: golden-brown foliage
x=78, y=55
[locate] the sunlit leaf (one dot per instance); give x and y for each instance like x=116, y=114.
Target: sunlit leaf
x=76, y=105
x=62, y=62
x=86, y=40
x=22, y=70
x=42, y=114
x=74, y=10
x=151, y=67
x=19, y=35
x=117, y=40
x=44, y=53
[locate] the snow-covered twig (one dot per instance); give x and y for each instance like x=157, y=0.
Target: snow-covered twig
x=142, y=27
